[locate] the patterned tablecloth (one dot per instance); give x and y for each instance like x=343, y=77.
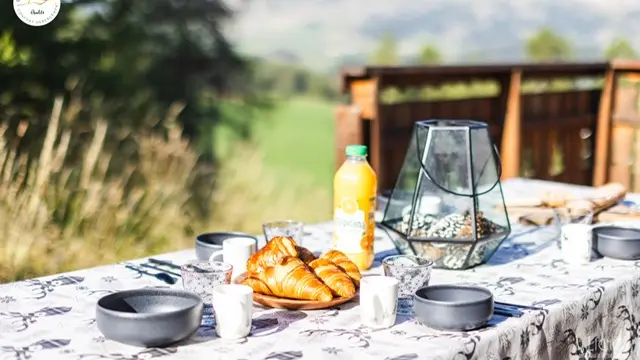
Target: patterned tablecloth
x=590, y=312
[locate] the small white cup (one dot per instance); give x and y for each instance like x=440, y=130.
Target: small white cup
x=233, y=308
x=428, y=204
x=431, y=205
x=235, y=251
x=576, y=243
x=378, y=301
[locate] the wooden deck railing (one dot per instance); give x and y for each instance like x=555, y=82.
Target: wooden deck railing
x=531, y=129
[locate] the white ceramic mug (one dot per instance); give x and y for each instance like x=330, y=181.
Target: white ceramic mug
x=235, y=251
x=233, y=308
x=378, y=301
x=576, y=243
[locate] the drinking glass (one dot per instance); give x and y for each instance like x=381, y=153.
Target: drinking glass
x=412, y=272
x=201, y=277
x=291, y=228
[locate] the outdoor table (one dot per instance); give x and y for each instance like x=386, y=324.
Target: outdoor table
x=588, y=311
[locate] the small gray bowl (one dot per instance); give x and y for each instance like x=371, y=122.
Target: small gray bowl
x=453, y=307
x=208, y=243
x=149, y=317
x=617, y=242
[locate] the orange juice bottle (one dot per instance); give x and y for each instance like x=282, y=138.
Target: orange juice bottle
x=354, y=198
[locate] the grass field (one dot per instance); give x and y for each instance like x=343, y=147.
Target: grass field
x=296, y=138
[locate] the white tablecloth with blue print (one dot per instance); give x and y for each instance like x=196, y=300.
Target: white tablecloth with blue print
x=589, y=312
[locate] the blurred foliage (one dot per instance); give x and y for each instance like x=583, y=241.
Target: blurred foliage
x=131, y=60
x=55, y=216
x=429, y=55
x=543, y=46
x=284, y=80
x=546, y=45
x=620, y=48
x=386, y=52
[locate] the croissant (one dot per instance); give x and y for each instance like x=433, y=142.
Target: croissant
x=305, y=255
x=342, y=261
x=256, y=284
x=337, y=280
x=277, y=248
x=293, y=279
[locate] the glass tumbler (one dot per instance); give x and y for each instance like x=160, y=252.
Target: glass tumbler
x=412, y=273
x=201, y=277
x=291, y=228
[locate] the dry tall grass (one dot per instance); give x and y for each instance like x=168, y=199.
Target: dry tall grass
x=57, y=217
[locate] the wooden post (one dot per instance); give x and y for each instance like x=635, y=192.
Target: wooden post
x=511, y=148
x=348, y=130
x=620, y=168
x=376, y=143
x=603, y=130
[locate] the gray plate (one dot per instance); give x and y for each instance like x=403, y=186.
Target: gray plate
x=617, y=242
x=453, y=307
x=208, y=243
x=149, y=317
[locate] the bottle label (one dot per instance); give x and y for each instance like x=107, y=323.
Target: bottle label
x=350, y=227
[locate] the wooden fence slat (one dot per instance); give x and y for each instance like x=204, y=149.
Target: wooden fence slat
x=603, y=133
x=349, y=130
x=635, y=171
x=511, y=146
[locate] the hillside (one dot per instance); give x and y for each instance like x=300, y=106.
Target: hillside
x=321, y=33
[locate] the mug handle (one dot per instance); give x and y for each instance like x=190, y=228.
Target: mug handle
x=213, y=256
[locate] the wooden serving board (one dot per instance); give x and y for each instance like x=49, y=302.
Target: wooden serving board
x=293, y=304
x=540, y=210
x=544, y=216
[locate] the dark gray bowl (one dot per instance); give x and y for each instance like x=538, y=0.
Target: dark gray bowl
x=617, y=242
x=453, y=307
x=208, y=243
x=149, y=317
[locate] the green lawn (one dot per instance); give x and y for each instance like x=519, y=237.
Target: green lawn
x=297, y=138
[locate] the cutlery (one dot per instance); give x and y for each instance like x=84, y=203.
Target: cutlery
x=504, y=313
x=164, y=263
x=174, y=266
x=168, y=279
x=160, y=269
x=515, y=306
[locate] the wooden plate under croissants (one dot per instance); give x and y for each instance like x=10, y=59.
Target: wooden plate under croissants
x=287, y=276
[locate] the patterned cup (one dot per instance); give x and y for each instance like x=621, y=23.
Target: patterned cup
x=412, y=272
x=201, y=277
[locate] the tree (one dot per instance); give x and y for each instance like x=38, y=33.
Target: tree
x=386, y=54
x=620, y=49
x=132, y=59
x=546, y=45
x=429, y=55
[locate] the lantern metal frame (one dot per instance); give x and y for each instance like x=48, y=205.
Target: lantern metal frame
x=434, y=125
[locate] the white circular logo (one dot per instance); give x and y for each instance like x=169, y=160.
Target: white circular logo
x=36, y=12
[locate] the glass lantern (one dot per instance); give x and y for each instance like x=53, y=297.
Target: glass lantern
x=447, y=203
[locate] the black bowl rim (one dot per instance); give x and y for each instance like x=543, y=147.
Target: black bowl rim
x=229, y=234
x=481, y=289
x=149, y=292
x=598, y=230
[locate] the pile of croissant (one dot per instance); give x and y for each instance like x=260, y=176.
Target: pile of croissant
x=284, y=269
